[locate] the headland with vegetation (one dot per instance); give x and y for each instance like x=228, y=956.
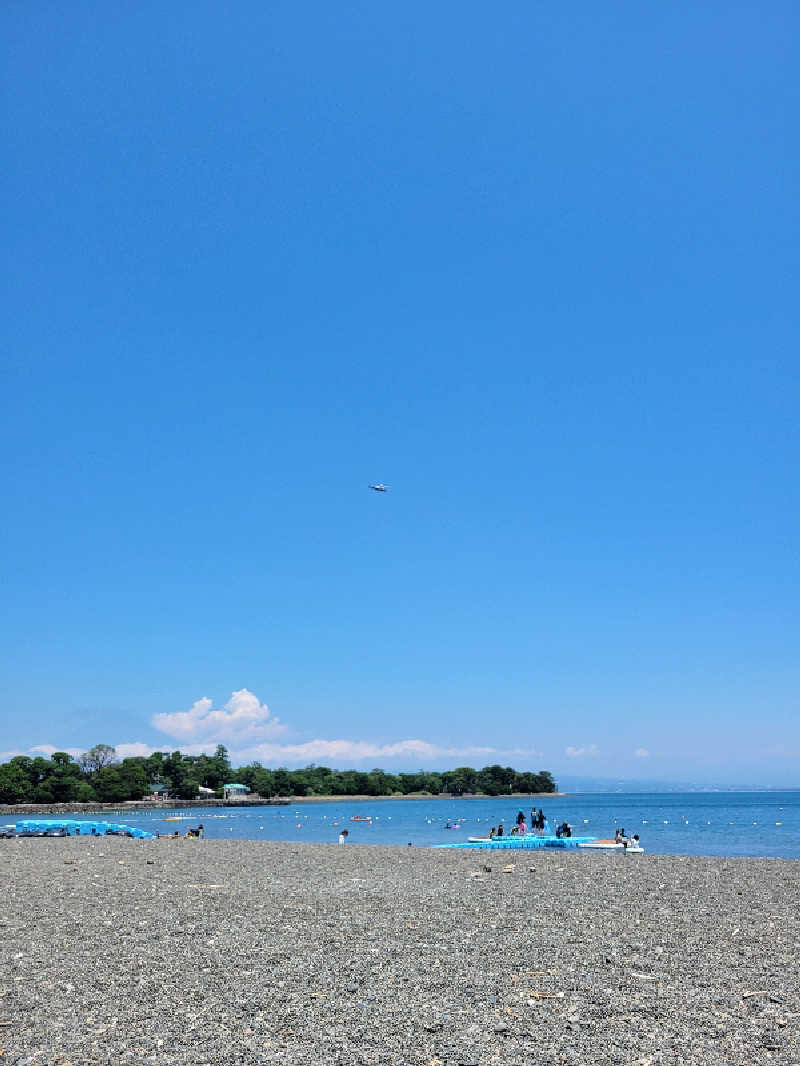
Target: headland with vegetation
x=98, y=776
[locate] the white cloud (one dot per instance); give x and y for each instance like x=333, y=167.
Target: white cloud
x=127, y=751
x=580, y=753
x=358, y=751
x=45, y=750
x=641, y=753
x=242, y=719
x=249, y=729
x=340, y=753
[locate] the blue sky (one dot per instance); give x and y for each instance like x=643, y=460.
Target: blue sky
x=536, y=269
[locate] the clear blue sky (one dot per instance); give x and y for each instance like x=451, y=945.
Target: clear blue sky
x=535, y=267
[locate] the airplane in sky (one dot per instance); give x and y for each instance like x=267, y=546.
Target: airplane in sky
x=380, y=487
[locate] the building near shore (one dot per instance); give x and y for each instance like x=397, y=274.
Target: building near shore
x=235, y=791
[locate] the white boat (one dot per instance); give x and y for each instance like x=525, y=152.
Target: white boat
x=613, y=845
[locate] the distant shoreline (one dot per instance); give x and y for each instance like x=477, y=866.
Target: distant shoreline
x=426, y=796
x=132, y=806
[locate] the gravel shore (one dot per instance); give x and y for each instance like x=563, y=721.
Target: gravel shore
x=228, y=952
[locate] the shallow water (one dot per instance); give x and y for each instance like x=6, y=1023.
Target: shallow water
x=696, y=823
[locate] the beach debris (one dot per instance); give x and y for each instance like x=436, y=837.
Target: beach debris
x=509, y=869
x=761, y=992
x=644, y=976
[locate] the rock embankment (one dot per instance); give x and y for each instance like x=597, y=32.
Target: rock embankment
x=236, y=952
x=9, y=810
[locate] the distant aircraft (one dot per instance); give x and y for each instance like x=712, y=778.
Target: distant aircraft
x=380, y=487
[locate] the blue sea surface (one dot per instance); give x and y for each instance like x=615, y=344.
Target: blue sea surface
x=693, y=823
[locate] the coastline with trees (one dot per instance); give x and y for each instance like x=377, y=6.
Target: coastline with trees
x=100, y=777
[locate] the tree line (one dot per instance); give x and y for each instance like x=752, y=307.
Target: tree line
x=98, y=775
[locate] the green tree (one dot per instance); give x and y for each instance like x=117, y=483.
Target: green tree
x=283, y=783
x=189, y=788
x=84, y=793
x=380, y=783
x=263, y=782
x=134, y=778
x=109, y=785
x=14, y=784
x=174, y=770
x=462, y=779
x=492, y=780
x=64, y=777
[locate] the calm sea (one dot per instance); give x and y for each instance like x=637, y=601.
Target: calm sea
x=694, y=823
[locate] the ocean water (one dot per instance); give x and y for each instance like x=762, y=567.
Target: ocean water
x=694, y=823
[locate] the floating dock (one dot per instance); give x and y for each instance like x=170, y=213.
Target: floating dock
x=70, y=827
x=516, y=843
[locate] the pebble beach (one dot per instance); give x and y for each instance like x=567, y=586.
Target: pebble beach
x=116, y=951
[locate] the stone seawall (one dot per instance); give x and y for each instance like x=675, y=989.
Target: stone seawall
x=131, y=805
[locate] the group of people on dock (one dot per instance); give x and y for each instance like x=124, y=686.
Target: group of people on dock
x=538, y=825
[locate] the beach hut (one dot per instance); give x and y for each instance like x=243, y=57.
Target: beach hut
x=234, y=791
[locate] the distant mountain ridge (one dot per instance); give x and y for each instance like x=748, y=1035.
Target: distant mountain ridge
x=570, y=783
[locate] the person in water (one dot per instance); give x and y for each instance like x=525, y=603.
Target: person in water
x=492, y=833
x=500, y=830
x=343, y=836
